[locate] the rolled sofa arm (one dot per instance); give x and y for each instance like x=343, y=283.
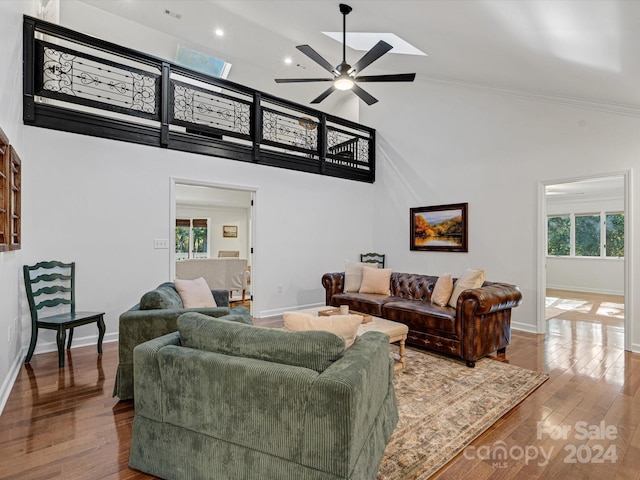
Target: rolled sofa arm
x=147, y=372
x=345, y=402
x=492, y=298
x=333, y=283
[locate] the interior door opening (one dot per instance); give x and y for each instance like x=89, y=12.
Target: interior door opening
x=584, y=259
x=215, y=222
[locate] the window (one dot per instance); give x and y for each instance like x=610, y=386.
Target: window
x=586, y=235
x=614, y=240
x=192, y=239
x=559, y=235
x=200, y=240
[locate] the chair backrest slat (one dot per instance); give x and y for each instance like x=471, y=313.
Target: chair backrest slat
x=53, y=303
x=52, y=290
x=55, y=283
x=50, y=277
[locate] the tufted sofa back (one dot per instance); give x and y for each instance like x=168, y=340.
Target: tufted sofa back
x=412, y=286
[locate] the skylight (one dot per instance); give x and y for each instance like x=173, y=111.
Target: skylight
x=363, y=41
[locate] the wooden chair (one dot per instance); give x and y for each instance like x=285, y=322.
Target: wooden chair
x=55, y=287
x=373, y=258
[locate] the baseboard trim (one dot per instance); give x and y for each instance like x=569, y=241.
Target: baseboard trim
x=524, y=327
x=10, y=379
x=46, y=347
x=279, y=311
x=584, y=289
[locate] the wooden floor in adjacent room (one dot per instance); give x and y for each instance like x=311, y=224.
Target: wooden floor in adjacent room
x=63, y=423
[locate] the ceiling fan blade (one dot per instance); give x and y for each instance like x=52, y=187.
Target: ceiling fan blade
x=397, y=77
x=371, y=56
x=368, y=99
x=302, y=80
x=316, y=57
x=324, y=94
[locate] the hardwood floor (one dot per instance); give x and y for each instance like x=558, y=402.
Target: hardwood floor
x=64, y=424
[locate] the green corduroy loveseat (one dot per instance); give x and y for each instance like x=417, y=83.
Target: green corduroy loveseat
x=221, y=400
x=156, y=315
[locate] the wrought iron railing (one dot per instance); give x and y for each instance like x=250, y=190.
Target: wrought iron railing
x=77, y=83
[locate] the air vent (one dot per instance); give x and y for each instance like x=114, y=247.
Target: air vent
x=175, y=15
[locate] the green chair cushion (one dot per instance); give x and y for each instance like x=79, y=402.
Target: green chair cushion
x=315, y=350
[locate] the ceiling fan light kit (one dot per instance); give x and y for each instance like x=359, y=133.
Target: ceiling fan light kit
x=345, y=76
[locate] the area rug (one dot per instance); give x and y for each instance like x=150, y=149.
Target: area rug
x=444, y=405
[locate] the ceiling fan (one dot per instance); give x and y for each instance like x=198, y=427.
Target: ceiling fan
x=345, y=76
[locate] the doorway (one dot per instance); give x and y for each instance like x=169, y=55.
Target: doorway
x=584, y=266
x=212, y=221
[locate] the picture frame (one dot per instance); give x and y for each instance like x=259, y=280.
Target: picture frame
x=439, y=228
x=230, y=231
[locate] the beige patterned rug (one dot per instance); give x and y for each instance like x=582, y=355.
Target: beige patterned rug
x=444, y=405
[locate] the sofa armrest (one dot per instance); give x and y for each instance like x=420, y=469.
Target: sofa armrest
x=345, y=401
x=221, y=296
x=147, y=372
x=484, y=316
x=333, y=283
x=491, y=298
x=138, y=326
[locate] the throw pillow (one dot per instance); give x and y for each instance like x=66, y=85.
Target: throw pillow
x=313, y=349
x=352, y=276
x=375, y=280
x=195, y=293
x=344, y=325
x=442, y=290
x=469, y=279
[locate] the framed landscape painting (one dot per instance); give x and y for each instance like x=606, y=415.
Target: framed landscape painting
x=440, y=228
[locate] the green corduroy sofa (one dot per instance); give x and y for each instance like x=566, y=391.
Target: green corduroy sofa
x=156, y=315
x=221, y=400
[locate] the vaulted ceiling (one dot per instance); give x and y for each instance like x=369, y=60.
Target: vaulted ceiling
x=571, y=49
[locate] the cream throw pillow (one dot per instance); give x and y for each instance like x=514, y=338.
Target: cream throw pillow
x=195, y=293
x=375, y=280
x=344, y=325
x=442, y=290
x=352, y=276
x=469, y=279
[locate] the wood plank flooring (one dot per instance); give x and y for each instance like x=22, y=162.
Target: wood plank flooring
x=64, y=424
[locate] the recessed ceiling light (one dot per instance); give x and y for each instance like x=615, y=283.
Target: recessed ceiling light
x=288, y=60
x=219, y=32
x=364, y=41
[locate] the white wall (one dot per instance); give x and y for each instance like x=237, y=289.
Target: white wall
x=101, y=203
x=443, y=143
x=11, y=122
x=114, y=199
x=586, y=274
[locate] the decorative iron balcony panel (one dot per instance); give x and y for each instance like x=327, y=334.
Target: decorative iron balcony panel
x=348, y=148
x=297, y=135
x=76, y=77
x=194, y=107
x=77, y=83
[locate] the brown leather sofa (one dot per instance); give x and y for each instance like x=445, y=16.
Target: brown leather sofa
x=479, y=325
